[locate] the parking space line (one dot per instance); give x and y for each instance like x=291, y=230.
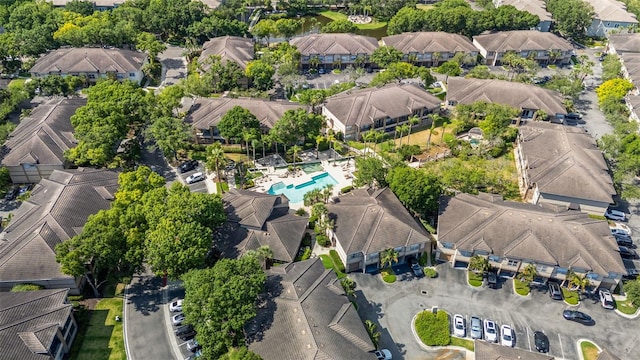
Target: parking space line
x=528, y=338
x=561, y=348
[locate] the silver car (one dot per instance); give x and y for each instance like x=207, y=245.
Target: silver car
x=476, y=328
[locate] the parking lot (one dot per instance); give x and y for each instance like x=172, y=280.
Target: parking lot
x=200, y=186
x=392, y=306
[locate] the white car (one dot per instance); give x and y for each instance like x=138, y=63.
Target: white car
x=383, y=354
x=176, y=306
x=459, y=327
x=619, y=232
x=606, y=300
x=621, y=226
x=193, y=178
x=506, y=338
x=490, y=331
x=615, y=215
x=177, y=320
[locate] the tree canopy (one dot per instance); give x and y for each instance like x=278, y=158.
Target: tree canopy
x=572, y=17
x=261, y=74
x=219, y=301
x=386, y=55
x=418, y=190
x=238, y=121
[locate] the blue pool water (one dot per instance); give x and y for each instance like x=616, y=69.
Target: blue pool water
x=295, y=194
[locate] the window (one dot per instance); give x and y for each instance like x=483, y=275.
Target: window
x=512, y=262
x=466, y=253
x=120, y=76
x=329, y=58
x=593, y=276
x=91, y=76
x=414, y=247
x=372, y=256
x=345, y=58
x=55, y=345
x=355, y=255
x=447, y=245
x=541, y=268
x=561, y=271
x=399, y=249
x=494, y=258
x=66, y=325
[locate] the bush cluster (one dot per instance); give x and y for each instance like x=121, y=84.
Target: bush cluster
x=433, y=329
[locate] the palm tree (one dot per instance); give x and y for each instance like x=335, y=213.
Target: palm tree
x=326, y=192
x=414, y=120
x=349, y=286
x=247, y=137
x=215, y=160
x=378, y=135
x=402, y=128
x=433, y=126
x=388, y=257
x=369, y=136
x=479, y=264
x=528, y=273
x=435, y=58
x=264, y=254
x=254, y=143
x=331, y=138
x=294, y=150
x=580, y=282
x=319, y=140
x=373, y=332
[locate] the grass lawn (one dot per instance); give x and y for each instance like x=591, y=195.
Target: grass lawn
x=570, y=297
x=433, y=329
x=223, y=186
x=104, y=338
x=465, y=343
x=589, y=350
x=424, y=7
x=474, y=279
x=17, y=83
x=420, y=137
x=626, y=307
x=388, y=275
x=334, y=15
x=329, y=264
x=522, y=288
x=237, y=157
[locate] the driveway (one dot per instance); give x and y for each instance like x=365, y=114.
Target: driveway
x=392, y=306
x=596, y=123
x=174, y=65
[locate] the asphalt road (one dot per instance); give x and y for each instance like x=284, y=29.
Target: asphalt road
x=174, y=65
x=392, y=306
x=145, y=313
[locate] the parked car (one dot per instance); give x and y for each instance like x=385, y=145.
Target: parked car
x=577, y=316
x=606, y=300
x=476, y=327
x=619, y=232
x=383, y=354
x=573, y=116
x=177, y=320
x=541, y=341
x=188, y=166
x=459, y=326
x=624, y=241
x=602, y=57
x=615, y=215
x=184, y=329
x=506, y=338
x=554, y=290
x=12, y=193
x=621, y=226
x=194, y=178
x=625, y=252
x=176, y=306
x=490, y=331
x=193, y=345
x=416, y=268
x=321, y=71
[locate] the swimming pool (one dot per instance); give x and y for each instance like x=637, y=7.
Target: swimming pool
x=295, y=194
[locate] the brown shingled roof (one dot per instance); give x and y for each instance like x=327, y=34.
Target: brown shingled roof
x=426, y=42
x=363, y=106
x=306, y=316
x=522, y=40
x=565, y=161
x=89, y=60
x=341, y=44
x=525, y=231
x=229, y=48
x=515, y=94
x=625, y=42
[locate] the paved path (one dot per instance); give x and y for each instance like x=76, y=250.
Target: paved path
x=174, y=65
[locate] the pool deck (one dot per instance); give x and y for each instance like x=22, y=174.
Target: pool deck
x=340, y=171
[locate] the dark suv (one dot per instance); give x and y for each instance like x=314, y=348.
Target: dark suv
x=554, y=290
x=185, y=332
x=187, y=166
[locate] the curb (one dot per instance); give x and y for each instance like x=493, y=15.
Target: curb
x=125, y=322
x=626, y=316
x=580, y=341
x=513, y=284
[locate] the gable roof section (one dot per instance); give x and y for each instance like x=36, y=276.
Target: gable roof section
x=44, y=135
x=631, y=62
x=522, y=40
x=56, y=211
x=229, y=48
x=515, y=94
x=364, y=106
x=489, y=351
x=251, y=208
x=306, y=316
x=340, y=44
x=205, y=112
x=89, y=60
x=29, y=321
x=535, y=7
x=429, y=42
x=611, y=10
x=625, y=42
x=565, y=161
x=525, y=231
x=372, y=221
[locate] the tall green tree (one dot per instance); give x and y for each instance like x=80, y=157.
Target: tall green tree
x=416, y=189
x=261, y=74
x=340, y=26
x=236, y=122
x=572, y=17
x=241, y=353
x=388, y=257
x=219, y=301
x=170, y=135
x=479, y=264
x=384, y=55
x=215, y=161
x=370, y=171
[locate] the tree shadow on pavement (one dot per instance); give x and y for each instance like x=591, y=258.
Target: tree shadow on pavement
x=146, y=295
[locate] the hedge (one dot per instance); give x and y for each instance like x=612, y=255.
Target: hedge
x=346, y=189
x=336, y=260
x=26, y=287
x=433, y=329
